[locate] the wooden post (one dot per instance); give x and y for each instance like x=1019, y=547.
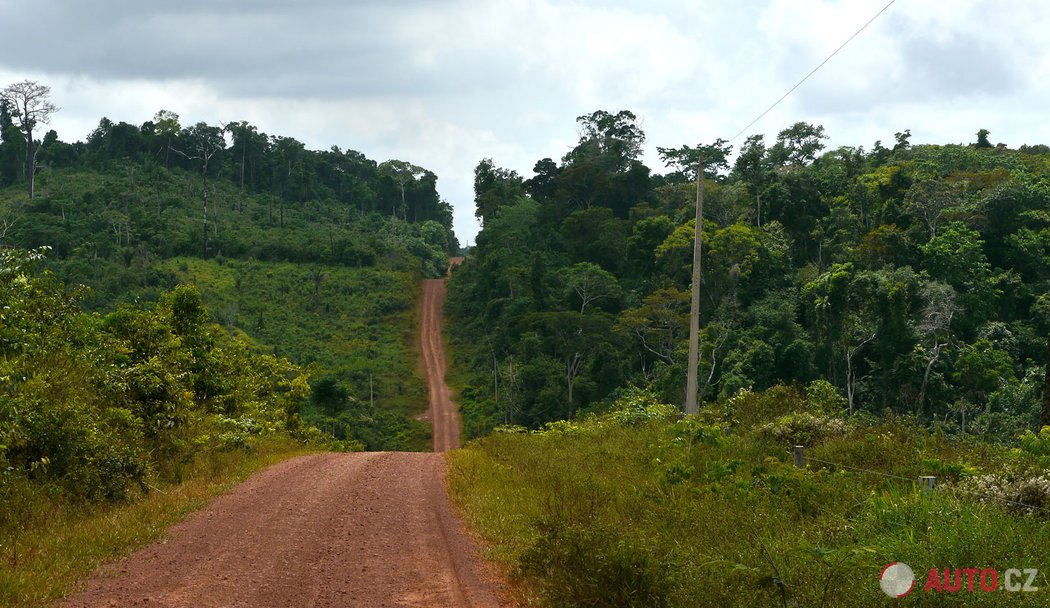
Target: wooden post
x=928, y=483
x=691, y=406
x=799, y=453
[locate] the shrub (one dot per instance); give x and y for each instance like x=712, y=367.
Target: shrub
x=750, y=409
x=1038, y=444
x=803, y=428
x=822, y=396
x=589, y=564
x=1019, y=493
x=638, y=406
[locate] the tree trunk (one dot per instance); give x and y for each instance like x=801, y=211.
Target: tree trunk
x=849, y=382
x=936, y=354
x=30, y=162
x=572, y=369
x=1044, y=416
x=691, y=406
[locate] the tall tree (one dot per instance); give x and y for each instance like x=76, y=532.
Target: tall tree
x=686, y=159
x=935, y=328
x=493, y=187
x=401, y=173
x=204, y=142
x=31, y=106
x=798, y=144
x=611, y=140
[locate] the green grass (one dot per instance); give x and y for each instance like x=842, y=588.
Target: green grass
x=354, y=324
x=61, y=541
x=614, y=511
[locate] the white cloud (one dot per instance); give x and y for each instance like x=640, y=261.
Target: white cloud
x=444, y=83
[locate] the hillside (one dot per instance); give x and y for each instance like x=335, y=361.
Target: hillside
x=314, y=256
x=884, y=308
x=184, y=306
x=914, y=278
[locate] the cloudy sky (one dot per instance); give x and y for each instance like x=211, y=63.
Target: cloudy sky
x=444, y=83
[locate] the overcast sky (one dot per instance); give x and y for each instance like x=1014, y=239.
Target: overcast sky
x=444, y=83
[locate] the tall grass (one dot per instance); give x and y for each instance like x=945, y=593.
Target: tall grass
x=628, y=510
x=52, y=542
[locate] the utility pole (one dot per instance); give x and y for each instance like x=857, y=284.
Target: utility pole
x=691, y=406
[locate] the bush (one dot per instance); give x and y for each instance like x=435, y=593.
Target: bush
x=803, y=428
x=595, y=565
x=1026, y=493
x=1037, y=444
x=749, y=409
x=638, y=406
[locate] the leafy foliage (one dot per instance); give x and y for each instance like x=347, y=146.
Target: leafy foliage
x=667, y=510
x=96, y=405
x=908, y=280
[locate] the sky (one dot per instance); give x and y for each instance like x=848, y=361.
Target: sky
x=445, y=83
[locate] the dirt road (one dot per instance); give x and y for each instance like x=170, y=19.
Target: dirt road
x=372, y=529
x=327, y=530
x=443, y=413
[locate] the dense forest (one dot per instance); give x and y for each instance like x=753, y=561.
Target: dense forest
x=913, y=278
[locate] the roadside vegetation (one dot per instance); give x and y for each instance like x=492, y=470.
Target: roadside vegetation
x=180, y=306
x=57, y=542
x=637, y=506
x=905, y=286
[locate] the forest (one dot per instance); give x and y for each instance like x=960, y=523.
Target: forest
x=885, y=309
x=172, y=292
x=913, y=278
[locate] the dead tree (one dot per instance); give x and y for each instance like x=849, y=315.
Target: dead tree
x=31, y=107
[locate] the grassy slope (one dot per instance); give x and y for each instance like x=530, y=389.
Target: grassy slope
x=359, y=322
x=64, y=543
x=665, y=513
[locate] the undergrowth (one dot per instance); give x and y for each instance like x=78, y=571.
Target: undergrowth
x=59, y=540
x=640, y=507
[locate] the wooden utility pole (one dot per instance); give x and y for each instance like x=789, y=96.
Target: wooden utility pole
x=691, y=406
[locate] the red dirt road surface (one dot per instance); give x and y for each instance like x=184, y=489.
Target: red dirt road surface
x=443, y=413
x=325, y=530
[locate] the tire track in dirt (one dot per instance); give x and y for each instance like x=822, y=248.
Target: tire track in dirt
x=326, y=530
x=443, y=415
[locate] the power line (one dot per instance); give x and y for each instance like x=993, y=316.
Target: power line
x=814, y=71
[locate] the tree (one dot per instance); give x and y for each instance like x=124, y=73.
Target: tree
x=248, y=145
x=203, y=142
x=401, y=173
x=1041, y=311
x=11, y=143
x=752, y=166
x=860, y=330
x=29, y=101
x=614, y=141
x=798, y=144
x=982, y=139
x=659, y=323
x=934, y=327
x=573, y=339
x=589, y=283
x=493, y=187
x=929, y=200
x=686, y=159
x=167, y=128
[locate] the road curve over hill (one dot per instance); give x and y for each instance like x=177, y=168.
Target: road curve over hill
x=325, y=530
x=442, y=413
